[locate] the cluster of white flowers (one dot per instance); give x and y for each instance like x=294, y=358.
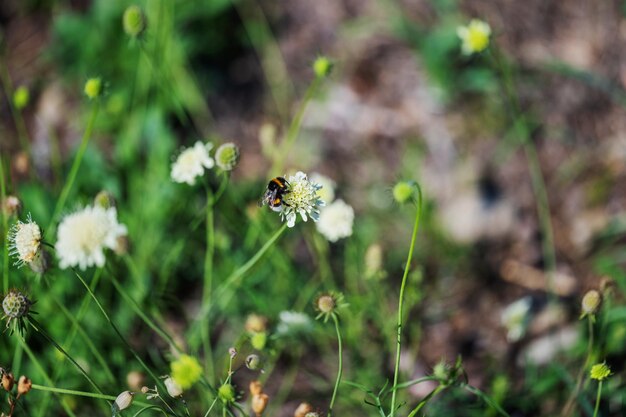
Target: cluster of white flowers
x=85, y=234
x=337, y=217
x=25, y=241
x=192, y=162
x=302, y=198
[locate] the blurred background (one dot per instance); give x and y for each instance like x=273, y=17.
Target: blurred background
x=534, y=125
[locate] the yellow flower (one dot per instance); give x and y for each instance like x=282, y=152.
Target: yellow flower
x=600, y=371
x=186, y=371
x=475, y=36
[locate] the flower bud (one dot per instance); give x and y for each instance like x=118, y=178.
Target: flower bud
x=232, y=352
x=255, y=387
x=173, y=389
x=145, y=390
x=226, y=393
x=124, y=400
x=256, y=323
x=227, y=156
x=403, y=192
x=93, y=88
x=258, y=340
x=7, y=381
x=104, y=199
x=591, y=303
x=134, y=21
x=600, y=371
x=259, y=402
x=303, y=409
x=21, y=97
x=253, y=362
x=135, y=380
x=24, y=385
x=12, y=206
x=322, y=67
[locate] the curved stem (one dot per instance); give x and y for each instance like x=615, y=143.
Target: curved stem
x=401, y=300
x=340, y=369
x=69, y=182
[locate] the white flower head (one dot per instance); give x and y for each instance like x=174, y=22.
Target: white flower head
x=336, y=221
x=301, y=198
x=191, y=163
x=515, y=318
x=85, y=234
x=25, y=241
x=291, y=322
x=327, y=192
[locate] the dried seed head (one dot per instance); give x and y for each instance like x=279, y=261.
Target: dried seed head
x=255, y=387
x=253, y=362
x=259, y=402
x=173, y=389
x=7, y=381
x=591, y=303
x=24, y=385
x=303, y=409
x=15, y=305
x=124, y=400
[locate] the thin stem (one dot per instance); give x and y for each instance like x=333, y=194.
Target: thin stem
x=35, y=324
x=22, y=133
x=485, y=398
x=294, y=128
x=84, y=394
x=598, y=395
x=340, y=368
x=5, y=229
x=581, y=373
x=208, y=282
x=232, y=281
x=75, y=165
x=211, y=407
x=401, y=300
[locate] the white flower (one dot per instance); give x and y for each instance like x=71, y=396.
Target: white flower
x=336, y=221
x=474, y=36
x=515, y=318
x=327, y=192
x=191, y=163
x=84, y=235
x=24, y=241
x=293, y=322
x=301, y=198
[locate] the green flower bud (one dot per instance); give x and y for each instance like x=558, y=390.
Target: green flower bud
x=21, y=96
x=600, y=371
x=403, y=192
x=322, y=67
x=227, y=156
x=134, y=21
x=258, y=340
x=93, y=88
x=226, y=393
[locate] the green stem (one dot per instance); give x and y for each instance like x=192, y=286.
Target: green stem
x=84, y=394
x=35, y=360
x=75, y=166
x=294, y=128
x=598, y=395
x=211, y=407
x=208, y=282
x=581, y=373
x=485, y=398
x=232, y=281
x=5, y=229
x=340, y=369
x=35, y=324
x=401, y=300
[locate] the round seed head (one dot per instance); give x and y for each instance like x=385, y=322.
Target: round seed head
x=21, y=96
x=134, y=21
x=322, y=66
x=93, y=88
x=227, y=156
x=600, y=371
x=403, y=192
x=226, y=393
x=15, y=305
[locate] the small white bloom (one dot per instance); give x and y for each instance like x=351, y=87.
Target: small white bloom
x=191, y=163
x=336, y=221
x=327, y=192
x=515, y=318
x=173, y=389
x=25, y=241
x=301, y=198
x=293, y=322
x=84, y=235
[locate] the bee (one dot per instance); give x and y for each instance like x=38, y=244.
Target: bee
x=273, y=197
